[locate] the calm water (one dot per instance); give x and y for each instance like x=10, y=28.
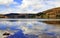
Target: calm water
x=29, y=29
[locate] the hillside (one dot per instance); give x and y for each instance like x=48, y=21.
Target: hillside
x=53, y=13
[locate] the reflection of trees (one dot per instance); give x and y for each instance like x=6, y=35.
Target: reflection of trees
x=53, y=22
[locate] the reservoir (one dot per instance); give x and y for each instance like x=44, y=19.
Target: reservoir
x=31, y=29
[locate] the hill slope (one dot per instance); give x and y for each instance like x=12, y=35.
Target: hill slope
x=51, y=13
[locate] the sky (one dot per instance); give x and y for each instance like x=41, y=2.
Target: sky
x=27, y=6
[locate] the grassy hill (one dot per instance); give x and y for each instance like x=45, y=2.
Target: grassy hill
x=53, y=13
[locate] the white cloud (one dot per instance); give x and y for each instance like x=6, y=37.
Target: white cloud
x=24, y=7
x=6, y=1
x=30, y=6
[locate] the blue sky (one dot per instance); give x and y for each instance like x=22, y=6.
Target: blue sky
x=27, y=6
x=18, y=1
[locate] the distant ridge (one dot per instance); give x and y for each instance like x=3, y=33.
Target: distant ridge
x=53, y=13
x=17, y=15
